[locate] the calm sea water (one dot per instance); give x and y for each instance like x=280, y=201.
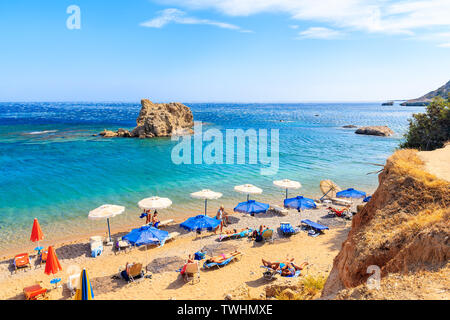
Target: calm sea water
x=53, y=168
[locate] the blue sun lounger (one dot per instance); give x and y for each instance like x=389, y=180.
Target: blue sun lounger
x=287, y=229
x=314, y=229
x=271, y=274
x=239, y=235
x=209, y=265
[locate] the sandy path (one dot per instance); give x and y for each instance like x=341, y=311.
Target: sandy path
x=437, y=162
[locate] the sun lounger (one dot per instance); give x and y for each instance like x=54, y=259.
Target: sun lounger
x=35, y=292
x=271, y=274
x=162, y=223
x=22, y=261
x=172, y=236
x=279, y=210
x=341, y=201
x=314, y=229
x=209, y=265
x=121, y=245
x=43, y=256
x=238, y=235
x=287, y=229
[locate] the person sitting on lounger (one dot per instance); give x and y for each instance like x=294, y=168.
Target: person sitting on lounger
x=189, y=260
x=125, y=272
x=155, y=220
x=223, y=257
x=235, y=231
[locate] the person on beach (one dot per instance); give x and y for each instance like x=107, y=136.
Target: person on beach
x=290, y=269
x=125, y=272
x=257, y=234
x=277, y=265
x=189, y=260
x=222, y=257
x=235, y=231
x=221, y=216
x=155, y=220
x=148, y=216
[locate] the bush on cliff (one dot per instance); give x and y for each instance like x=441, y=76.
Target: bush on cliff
x=430, y=130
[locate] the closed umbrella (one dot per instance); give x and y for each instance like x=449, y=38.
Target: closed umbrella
x=251, y=207
x=85, y=291
x=287, y=184
x=300, y=203
x=106, y=211
x=37, y=235
x=248, y=189
x=329, y=189
x=351, y=193
x=52, y=265
x=206, y=195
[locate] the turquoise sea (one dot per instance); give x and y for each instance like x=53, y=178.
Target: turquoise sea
x=53, y=168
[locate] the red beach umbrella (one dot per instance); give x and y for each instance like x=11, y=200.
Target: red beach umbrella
x=52, y=266
x=36, y=233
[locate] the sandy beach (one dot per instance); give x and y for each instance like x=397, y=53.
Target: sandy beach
x=242, y=279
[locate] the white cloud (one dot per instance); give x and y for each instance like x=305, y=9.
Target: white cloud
x=373, y=16
x=177, y=16
x=444, y=45
x=320, y=33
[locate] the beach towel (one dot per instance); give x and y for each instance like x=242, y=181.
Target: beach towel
x=287, y=229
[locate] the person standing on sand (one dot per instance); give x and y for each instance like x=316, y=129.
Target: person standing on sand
x=148, y=217
x=221, y=215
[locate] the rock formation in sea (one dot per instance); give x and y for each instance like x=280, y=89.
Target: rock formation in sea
x=375, y=131
x=158, y=120
x=388, y=103
x=426, y=99
x=401, y=234
x=350, y=126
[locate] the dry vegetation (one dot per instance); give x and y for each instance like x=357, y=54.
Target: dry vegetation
x=308, y=288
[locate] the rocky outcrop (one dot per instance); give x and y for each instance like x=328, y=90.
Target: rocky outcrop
x=158, y=120
x=388, y=103
x=426, y=99
x=350, y=126
x=375, y=131
x=404, y=229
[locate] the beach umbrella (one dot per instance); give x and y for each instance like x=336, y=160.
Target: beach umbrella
x=287, y=184
x=300, y=203
x=106, y=211
x=200, y=222
x=84, y=291
x=351, y=193
x=251, y=207
x=52, y=265
x=154, y=203
x=329, y=189
x=248, y=189
x=146, y=235
x=206, y=195
x=36, y=235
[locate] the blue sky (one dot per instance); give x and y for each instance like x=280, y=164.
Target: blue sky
x=224, y=50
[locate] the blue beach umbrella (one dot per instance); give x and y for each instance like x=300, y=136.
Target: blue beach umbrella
x=300, y=203
x=251, y=207
x=146, y=235
x=351, y=193
x=200, y=223
x=85, y=291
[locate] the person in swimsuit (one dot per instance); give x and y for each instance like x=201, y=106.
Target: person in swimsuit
x=290, y=269
x=220, y=216
x=155, y=220
x=148, y=218
x=222, y=257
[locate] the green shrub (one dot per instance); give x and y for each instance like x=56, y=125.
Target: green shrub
x=429, y=130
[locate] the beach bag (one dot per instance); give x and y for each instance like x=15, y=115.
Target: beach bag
x=259, y=238
x=200, y=256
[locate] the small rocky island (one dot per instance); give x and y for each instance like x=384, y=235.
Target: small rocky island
x=384, y=131
x=158, y=120
x=426, y=99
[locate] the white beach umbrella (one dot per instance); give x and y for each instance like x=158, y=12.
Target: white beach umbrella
x=106, y=211
x=154, y=203
x=287, y=184
x=206, y=195
x=248, y=189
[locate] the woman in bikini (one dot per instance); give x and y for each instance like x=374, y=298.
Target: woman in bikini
x=223, y=257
